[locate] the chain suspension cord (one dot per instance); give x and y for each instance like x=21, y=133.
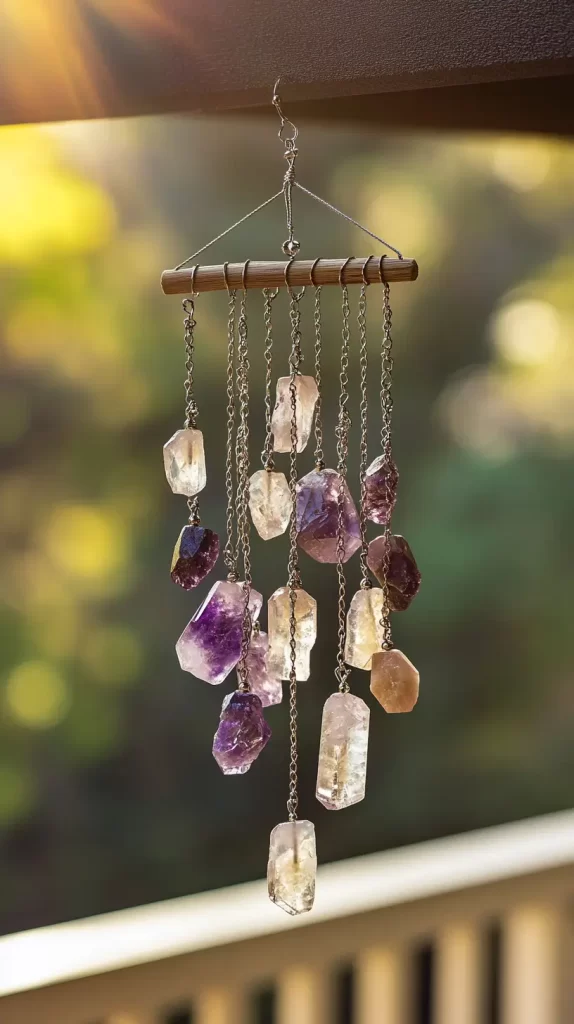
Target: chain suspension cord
x=243, y=536
x=364, y=449
x=294, y=578
x=267, y=460
x=342, y=435
x=319, y=454
x=387, y=451
x=191, y=410
x=230, y=550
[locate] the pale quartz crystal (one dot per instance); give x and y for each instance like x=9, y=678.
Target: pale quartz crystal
x=394, y=681
x=278, y=619
x=365, y=633
x=269, y=503
x=305, y=401
x=184, y=461
x=342, y=771
x=292, y=866
x=268, y=687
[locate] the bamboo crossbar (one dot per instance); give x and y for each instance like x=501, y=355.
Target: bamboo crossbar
x=279, y=274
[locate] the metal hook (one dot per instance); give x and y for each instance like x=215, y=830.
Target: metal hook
x=312, y=273
x=193, y=273
x=342, y=270
x=226, y=278
x=381, y=278
x=364, y=270
x=289, y=140
x=293, y=295
x=243, y=273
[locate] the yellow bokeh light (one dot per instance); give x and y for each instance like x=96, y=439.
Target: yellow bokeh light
x=526, y=332
x=37, y=695
x=113, y=655
x=522, y=164
x=88, y=543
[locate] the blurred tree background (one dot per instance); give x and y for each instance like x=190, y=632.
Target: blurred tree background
x=109, y=796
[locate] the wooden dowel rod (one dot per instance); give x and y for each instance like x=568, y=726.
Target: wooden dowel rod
x=272, y=275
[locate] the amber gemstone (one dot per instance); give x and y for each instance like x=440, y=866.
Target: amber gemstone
x=394, y=681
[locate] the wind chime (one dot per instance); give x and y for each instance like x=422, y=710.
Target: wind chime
x=321, y=516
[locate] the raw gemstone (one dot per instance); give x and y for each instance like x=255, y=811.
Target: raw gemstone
x=318, y=516
x=184, y=460
x=241, y=734
x=279, y=618
x=305, y=401
x=404, y=578
x=194, y=556
x=210, y=645
x=270, y=503
x=292, y=866
x=261, y=681
x=364, y=634
x=342, y=772
x=381, y=490
x=394, y=681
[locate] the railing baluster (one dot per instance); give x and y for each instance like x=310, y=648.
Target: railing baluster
x=218, y=1006
x=532, y=967
x=381, y=986
x=303, y=996
x=459, y=984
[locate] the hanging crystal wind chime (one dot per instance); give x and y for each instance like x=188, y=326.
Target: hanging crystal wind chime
x=322, y=520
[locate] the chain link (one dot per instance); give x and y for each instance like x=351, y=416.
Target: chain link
x=364, y=449
x=387, y=451
x=294, y=579
x=318, y=454
x=243, y=525
x=191, y=410
x=267, y=453
x=342, y=435
x=230, y=550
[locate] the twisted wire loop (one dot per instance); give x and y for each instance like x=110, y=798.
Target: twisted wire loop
x=267, y=453
x=387, y=450
x=230, y=549
x=342, y=434
x=191, y=409
x=242, y=450
x=318, y=454
x=294, y=578
x=364, y=450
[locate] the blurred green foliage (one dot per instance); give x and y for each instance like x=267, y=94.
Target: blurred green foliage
x=108, y=793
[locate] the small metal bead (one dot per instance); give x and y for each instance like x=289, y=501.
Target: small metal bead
x=291, y=247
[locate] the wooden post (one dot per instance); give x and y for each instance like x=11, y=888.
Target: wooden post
x=459, y=975
x=532, y=966
x=381, y=986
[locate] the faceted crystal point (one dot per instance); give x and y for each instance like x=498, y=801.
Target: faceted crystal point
x=269, y=503
x=365, y=633
x=305, y=401
x=292, y=866
x=194, y=556
x=404, y=578
x=394, y=681
x=261, y=681
x=210, y=645
x=279, y=618
x=381, y=490
x=342, y=772
x=241, y=734
x=184, y=461
x=318, y=516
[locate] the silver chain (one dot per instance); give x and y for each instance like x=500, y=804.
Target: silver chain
x=318, y=454
x=230, y=550
x=191, y=410
x=267, y=453
x=387, y=451
x=242, y=450
x=294, y=579
x=364, y=449
x=342, y=434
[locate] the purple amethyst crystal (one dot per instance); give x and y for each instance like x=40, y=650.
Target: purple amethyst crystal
x=404, y=578
x=210, y=645
x=194, y=556
x=241, y=734
x=381, y=490
x=318, y=516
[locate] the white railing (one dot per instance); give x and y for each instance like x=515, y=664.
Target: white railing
x=202, y=958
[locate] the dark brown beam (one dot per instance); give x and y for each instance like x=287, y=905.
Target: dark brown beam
x=255, y=274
